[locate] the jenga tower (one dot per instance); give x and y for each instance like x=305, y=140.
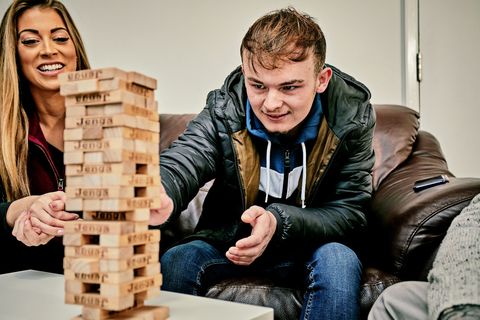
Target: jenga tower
x=111, y=158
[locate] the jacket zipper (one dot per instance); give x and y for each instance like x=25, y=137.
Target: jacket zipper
x=286, y=173
x=60, y=182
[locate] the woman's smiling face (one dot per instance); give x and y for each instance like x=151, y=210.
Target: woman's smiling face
x=45, y=48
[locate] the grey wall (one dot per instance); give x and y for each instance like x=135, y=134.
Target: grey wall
x=450, y=90
x=191, y=46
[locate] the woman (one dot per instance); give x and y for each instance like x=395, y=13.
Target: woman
x=38, y=41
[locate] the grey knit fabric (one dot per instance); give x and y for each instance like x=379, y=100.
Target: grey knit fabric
x=454, y=281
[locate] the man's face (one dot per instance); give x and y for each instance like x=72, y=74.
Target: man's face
x=282, y=98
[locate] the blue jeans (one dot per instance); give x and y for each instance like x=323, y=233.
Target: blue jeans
x=332, y=276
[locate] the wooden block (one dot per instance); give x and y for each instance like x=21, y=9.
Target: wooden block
x=125, y=276
x=130, y=239
x=104, y=73
x=139, y=284
x=80, y=86
x=97, y=301
x=150, y=169
x=149, y=269
x=93, y=157
x=137, y=261
x=95, y=110
x=74, y=204
x=100, y=252
x=89, y=313
x=74, y=286
x=75, y=111
x=77, y=134
x=75, y=239
x=92, y=133
x=142, y=80
x=83, y=265
x=92, y=204
x=148, y=192
x=134, y=180
x=73, y=157
x=98, y=227
x=108, y=73
x=134, y=215
x=110, y=97
x=124, y=108
x=110, y=156
x=129, y=204
x=146, y=124
x=100, y=145
x=136, y=313
x=101, y=85
x=127, y=168
x=131, y=133
x=101, y=193
x=141, y=226
x=115, y=120
x=73, y=134
x=145, y=295
x=153, y=247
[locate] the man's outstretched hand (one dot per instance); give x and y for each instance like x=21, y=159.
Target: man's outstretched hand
x=160, y=215
x=248, y=249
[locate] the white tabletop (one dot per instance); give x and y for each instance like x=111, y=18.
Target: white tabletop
x=27, y=295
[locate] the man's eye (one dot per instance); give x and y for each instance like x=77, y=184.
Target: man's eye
x=289, y=88
x=258, y=86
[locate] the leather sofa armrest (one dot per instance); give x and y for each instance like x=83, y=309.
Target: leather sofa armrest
x=408, y=227
x=374, y=281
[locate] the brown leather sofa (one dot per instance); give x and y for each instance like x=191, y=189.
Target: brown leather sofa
x=405, y=227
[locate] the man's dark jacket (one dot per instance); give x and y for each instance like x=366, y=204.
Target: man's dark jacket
x=216, y=145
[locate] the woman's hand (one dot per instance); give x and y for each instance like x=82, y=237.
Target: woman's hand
x=28, y=234
x=47, y=213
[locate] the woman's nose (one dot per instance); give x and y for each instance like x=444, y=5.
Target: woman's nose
x=48, y=48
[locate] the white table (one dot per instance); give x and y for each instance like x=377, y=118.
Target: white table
x=28, y=295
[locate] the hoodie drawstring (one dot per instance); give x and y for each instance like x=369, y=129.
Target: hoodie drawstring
x=304, y=171
x=304, y=174
x=269, y=148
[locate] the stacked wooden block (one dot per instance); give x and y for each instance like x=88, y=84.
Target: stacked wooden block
x=111, y=157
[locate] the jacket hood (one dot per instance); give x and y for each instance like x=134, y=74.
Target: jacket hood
x=345, y=103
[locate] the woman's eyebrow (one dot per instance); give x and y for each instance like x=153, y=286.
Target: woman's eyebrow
x=37, y=32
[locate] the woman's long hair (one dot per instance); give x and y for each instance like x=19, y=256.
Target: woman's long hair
x=15, y=97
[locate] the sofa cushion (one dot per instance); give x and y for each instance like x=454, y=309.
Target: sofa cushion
x=395, y=132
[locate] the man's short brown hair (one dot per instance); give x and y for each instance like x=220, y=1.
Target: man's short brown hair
x=284, y=34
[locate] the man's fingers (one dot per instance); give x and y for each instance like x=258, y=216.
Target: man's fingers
x=239, y=260
x=252, y=213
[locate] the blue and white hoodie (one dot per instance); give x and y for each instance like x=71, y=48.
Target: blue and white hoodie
x=284, y=160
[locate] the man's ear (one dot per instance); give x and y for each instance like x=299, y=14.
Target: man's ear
x=323, y=79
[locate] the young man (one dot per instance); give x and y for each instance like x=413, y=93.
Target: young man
x=288, y=141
